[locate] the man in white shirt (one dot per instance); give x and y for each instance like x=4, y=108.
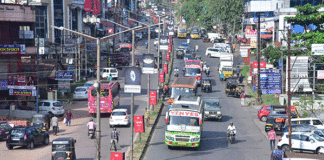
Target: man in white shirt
x=230, y=128
x=91, y=125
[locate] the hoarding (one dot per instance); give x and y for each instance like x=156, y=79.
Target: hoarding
x=64, y=75
x=117, y=156
x=148, y=64
x=320, y=74
x=3, y=84
x=270, y=81
x=139, y=124
x=153, y=98
x=253, y=42
x=63, y=86
x=132, y=80
x=22, y=90
x=12, y=49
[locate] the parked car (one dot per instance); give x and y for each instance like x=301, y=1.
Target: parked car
x=4, y=129
x=119, y=117
x=52, y=107
x=156, y=41
x=214, y=52
x=81, y=92
x=118, y=62
x=265, y=110
x=105, y=72
x=302, y=141
x=27, y=137
x=311, y=121
x=212, y=109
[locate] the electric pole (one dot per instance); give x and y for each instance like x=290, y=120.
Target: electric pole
x=259, y=48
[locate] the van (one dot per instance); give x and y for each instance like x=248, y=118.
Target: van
x=105, y=72
x=310, y=121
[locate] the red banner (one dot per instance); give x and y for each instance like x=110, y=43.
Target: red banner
x=96, y=7
x=153, y=98
x=165, y=67
x=87, y=5
x=117, y=156
x=161, y=77
x=262, y=65
x=168, y=56
x=157, y=21
x=139, y=124
x=110, y=30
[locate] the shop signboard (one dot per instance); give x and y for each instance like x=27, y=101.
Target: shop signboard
x=26, y=34
x=3, y=84
x=12, y=49
x=64, y=86
x=17, y=80
x=132, y=80
x=253, y=42
x=139, y=124
x=244, y=52
x=64, y=75
x=153, y=98
x=270, y=81
x=22, y=90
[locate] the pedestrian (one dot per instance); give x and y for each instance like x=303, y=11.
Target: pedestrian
x=241, y=79
x=237, y=70
x=197, y=48
x=147, y=113
x=68, y=117
x=272, y=138
x=54, y=122
x=90, y=71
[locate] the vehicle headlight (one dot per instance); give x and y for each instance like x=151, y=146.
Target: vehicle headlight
x=195, y=139
x=219, y=112
x=206, y=112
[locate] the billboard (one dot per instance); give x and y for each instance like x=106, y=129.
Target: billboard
x=63, y=86
x=12, y=49
x=3, y=84
x=298, y=74
x=64, y=75
x=132, y=80
x=320, y=74
x=270, y=81
x=22, y=90
x=148, y=64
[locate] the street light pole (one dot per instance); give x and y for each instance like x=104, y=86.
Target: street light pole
x=37, y=70
x=132, y=95
x=98, y=100
x=158, y=82
x=259, y=48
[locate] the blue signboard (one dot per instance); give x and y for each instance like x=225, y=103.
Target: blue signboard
x=3, y=84
x=270, y=81
x=70, y=68
x=64, y=75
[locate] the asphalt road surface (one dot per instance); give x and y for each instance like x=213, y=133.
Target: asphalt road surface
x=250, y=143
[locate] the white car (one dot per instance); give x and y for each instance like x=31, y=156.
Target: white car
x=311, y=121
x=119, y=117
x=52, y=107
x=105, y=72
x=214, y=52
x=303, y=141
x=156, y=41
x=139, y=35
x=81, y=92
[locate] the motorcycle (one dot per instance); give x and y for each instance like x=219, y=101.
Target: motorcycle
x=231, y=137
x=91, y=133
x=176, y=73
x=207, y=72
x=146, y=45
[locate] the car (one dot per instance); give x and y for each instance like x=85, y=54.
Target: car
x=212, y=109
x=301, y=141
x=214, y=52
x=299, y=128
x=119, y=117
x=265, y=110
x=27, y=137
x=311, y=121
x=106, y=72
x=156, y=41
x=88, y=84
x=52, y=107
x=4, y=129
x=185, y=45
x=81, y=92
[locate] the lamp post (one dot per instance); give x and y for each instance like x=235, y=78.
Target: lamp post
x=98, y=40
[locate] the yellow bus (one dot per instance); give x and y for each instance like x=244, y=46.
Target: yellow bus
x=182, y=32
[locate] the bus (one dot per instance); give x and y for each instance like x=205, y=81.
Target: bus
x=182, y=32
x=109, y=98
x=185, y=86
x=193, y=69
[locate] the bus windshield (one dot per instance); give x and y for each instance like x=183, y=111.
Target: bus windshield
x=192, y=71
x=182, y=30
x=182, y=120
x=176, y=91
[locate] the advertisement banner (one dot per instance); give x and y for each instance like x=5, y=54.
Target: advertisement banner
x=139, y=124
x=253, y=42
x=63, y=86
x=3, y=84
x=262, y=65
x=64, y=75
x=148, y=64
x=168, y=56
x=22, y=90
x=153, y=98
x=165, y=68
x=87, y=5
x=132, y=80
x=161, y=77
x=117, y=156
x=320, y=74
x=250, y=33
x=17, y=80
x=12, y=49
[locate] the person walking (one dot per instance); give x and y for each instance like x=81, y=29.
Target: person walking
x=147, y=113
x=68, y=117
x=54, y=122
x=237, y=70
x=272, y=138
x=241, y=79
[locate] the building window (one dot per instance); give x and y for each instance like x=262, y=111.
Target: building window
x=41, y=22
x=294, y=3
x=75, y=19
x=58, y=19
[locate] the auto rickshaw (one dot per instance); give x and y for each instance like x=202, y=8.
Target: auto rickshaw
x=234, y=88
x=199, y=57
x=275, y=121
x=205, y=38
x=180, y=53
x=63, y=148
x=206, y=85
x=42, y=121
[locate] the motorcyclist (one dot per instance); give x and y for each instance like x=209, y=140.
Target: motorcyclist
x=114, y=134
x=207, y=71
x=230, y=128
x=197, y=48
x=146, y=45
x=176, y=72
x=165, y=89
x=91, y=125
x=137, y=62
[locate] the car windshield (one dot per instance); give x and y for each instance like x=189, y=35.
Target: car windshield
x=206, y=82
x=194, y=32
x=211, y=104
x=113, y=71
x=185, y=44
x=192, y=71
x=182, y=30
x=80, y=90
x=187, y=55
x=318, y=138
x=226, y=69
x=176, y=91
x=182, y=120
x=17, y=132
x=119, y=113
x=57, y=104
x=38, y=119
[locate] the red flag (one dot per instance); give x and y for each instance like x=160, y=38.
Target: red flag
x=87, y=5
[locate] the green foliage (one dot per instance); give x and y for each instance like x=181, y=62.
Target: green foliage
x=244, y=71
x=305, y=114
x=269, y=99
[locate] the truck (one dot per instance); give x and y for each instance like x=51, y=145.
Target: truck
x=184, y=122
x=182, y=32
x=226, y=66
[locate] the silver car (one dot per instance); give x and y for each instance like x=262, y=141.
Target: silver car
x=81, y=92
x=212, y=109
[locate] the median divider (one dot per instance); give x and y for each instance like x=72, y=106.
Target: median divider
x=141, y=142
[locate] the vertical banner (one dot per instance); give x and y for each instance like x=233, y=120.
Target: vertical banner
x=161, y=77
x=117, y=156
x=139, y=124
x=153, y=98
x=132, y=80
x=148, y=64
x=87, y=6
x=165, y=67
x=168, y=56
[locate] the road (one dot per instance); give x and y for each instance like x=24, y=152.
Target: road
x=250, y=142
x=85, y=147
